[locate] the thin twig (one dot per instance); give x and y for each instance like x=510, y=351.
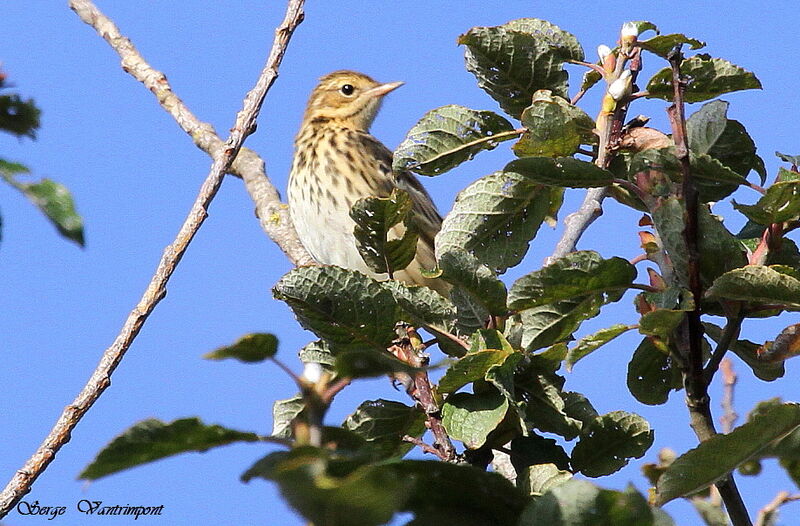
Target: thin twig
x=23, y=479
x=610, y=127
x=729, y=378
x=424, y=446
x=272, y=214
x=695, y=381
x=768, y=511
x=729, y=334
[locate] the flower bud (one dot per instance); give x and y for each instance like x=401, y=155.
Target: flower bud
x=621, y=88
x=630, y=31
x=607, y=58
x=603, y=51
x=312, y=372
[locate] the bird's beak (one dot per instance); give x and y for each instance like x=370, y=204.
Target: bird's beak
x=383, y=89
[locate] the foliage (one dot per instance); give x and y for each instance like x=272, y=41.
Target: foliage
x=21, y=118
x=501, y=390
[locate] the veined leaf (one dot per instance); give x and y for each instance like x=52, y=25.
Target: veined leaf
x=757, y=284
x=706, y=78
x=250, y=348
x=447, y=136
x=348, y=309
x=609, y=442
x=153, y=439
x=555, y=128
x=513, y=61
x=574, y=275
x=714, y=458
x=386, y=239
x=496, y=217
x=562, y=171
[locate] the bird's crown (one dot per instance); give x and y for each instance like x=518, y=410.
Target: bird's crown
x=347, y=98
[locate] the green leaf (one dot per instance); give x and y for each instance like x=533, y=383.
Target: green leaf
x=471, y=316
x=551, y=323
x=250, y=348
x=661, y=45
x=549, y=409
x=471, y=417
x=19, y=117
x=447, y=136
x=51, y=198
x=422, y=306
x=722, y=248
x=706, y=78
x=652, y=374
x=787, y=175
x=705, y=126
x=540, y=478
x=473, y=366
x=489, y=339
x=153, y=439
x=781, y=203
x=563, y=171
x=792, y=159
x=462, y=269
x=581, y=503
x=536, y=450
x=283, y=413
x=747, y=351
x=714, y=180
x=592, y=342
x=714, y=458
x=384, y=423
x=572, y=276
x=345, y=307
x=759, y=285
x=513, y=61
x=386, y=238
x=366, y=496
x=366, y=363
x=609, y=442
x=711, y=512
x=496, y=217
x=660, y=322
x=317, y=352
x=642, y=26
x=555, y=128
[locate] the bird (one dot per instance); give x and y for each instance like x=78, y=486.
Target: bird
x=337, y=162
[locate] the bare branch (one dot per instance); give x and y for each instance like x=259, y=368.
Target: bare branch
x=224, y=156
x=273, y=215
x=768, y=512
x=729, y=378
x=695, y=380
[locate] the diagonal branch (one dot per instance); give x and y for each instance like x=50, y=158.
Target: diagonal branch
x=273, y=215
x=224, y=157
x=695, y=381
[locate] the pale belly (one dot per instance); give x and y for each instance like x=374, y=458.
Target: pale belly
x=326, y=233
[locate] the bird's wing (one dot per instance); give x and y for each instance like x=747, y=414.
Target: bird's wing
x=422, y=204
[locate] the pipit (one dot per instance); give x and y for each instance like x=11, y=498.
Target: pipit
x=337, y=162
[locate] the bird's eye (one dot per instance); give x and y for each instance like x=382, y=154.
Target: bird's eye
x=347, y=89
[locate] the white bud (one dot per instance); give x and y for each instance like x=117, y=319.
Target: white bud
x=603, y=51
x=312, y=372
x=629, y=29
x=621, y=88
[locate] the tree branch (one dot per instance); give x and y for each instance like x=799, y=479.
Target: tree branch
x=609, y=126
x=272, y=214
x=224, y=156
x=695, y=381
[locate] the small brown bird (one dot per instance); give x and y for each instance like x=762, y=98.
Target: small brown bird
x=337, y=162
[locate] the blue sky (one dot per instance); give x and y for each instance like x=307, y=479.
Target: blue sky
x=134, y=175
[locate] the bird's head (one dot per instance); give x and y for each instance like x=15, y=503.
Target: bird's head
x=348, y=98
